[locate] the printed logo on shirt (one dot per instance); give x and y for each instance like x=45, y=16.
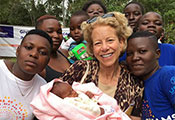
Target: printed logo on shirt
x=81, y=50
x=147, y=112
x=169, y=117
x=11, y=110
x=148, y=115
x=172, y=80
x=172, y=90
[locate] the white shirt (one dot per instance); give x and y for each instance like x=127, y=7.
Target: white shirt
x=13, y=105
x=65, y=45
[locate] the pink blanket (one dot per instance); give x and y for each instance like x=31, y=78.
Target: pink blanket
x=48, y=106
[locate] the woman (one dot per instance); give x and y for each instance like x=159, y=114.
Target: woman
x=106, y=40
x=20, y=81
x=159, y=95
x=133, y=11
x=94, y=8
x=58, y=61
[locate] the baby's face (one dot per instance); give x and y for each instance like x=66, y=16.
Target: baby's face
x=67, y=91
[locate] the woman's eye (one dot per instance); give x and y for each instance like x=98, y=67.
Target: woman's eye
x=144, y=22
x=43, y=52
x=110, y=40
x=28, y=47
x=137, y=13
x=97, y=43
x=158, y=23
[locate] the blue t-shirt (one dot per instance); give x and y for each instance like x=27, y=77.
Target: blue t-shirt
x=159, y=95
x=167, y=54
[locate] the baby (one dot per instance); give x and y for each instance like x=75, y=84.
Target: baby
x=82, y=100
x=59, y=100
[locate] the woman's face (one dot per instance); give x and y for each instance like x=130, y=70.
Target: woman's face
x=53, y=28
x=151, y=22
x=33, y=54
x=95, y=10
x=106, y=45
x=133, y=13
x=142, y=57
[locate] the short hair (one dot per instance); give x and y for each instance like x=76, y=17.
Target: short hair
x=149, y=13
x=137, y=3
x=140, y=20
x=118, y=22
x=80, y=13
x=40, y=20
x=40, y=33
x=147, y=34
x=90, y=2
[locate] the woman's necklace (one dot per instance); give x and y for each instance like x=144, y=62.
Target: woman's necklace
x=20, y=90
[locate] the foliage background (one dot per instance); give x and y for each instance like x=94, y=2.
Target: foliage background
x=25, y=12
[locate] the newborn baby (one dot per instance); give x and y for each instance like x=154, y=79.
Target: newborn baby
x=82, y=100
x=58, y=100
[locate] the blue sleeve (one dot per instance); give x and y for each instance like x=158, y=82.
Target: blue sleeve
x=167, y=56
x=122, y=58
x=168, y=83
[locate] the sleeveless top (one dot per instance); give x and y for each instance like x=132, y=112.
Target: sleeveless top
x=51, y=73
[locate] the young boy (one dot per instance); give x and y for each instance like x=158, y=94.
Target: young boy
x=20, y=81
x=78, y=47
x=81, y=102
x=153, y=22
x=159, y=82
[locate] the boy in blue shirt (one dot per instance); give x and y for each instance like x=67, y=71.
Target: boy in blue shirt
x=153, y=22
x=159, y=82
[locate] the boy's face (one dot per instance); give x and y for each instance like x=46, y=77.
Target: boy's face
x=65, y=90
x=75, y=27
x=33, y=54
x=142, y=57
x=151, y=22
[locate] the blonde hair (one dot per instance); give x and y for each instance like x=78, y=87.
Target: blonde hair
x=118, y=22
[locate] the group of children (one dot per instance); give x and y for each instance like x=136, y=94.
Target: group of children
x=145, y=58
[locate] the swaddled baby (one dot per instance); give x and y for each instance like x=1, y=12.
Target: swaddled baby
x=82, y=100
x=58, y=100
